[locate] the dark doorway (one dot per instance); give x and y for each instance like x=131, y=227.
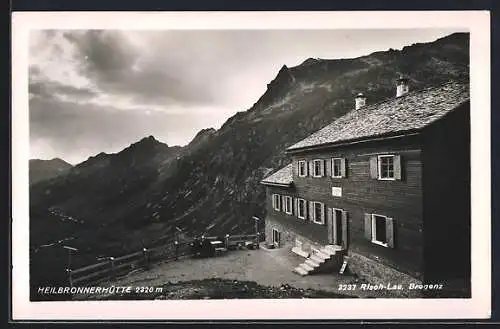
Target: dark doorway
x=337, y=215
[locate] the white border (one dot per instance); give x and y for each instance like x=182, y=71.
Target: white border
x=477, y=22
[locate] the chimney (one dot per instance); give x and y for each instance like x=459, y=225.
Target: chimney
x=360, y=100
x=401, y=86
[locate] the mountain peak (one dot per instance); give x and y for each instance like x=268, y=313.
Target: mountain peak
x=310, y=61
x=149, y=139
x=56, y=160
x=40, y=170
x=202, y=136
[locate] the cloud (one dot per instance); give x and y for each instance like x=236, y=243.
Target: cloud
x=116, y=66
x=53, y=89
x=100, y=90
x=75, y=131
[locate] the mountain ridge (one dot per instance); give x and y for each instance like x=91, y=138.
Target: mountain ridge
x=40, y=170
x=213, y=186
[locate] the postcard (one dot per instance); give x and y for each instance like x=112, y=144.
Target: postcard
x=250, y=165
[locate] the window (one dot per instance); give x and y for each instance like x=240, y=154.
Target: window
x=276, y=237
x=301, y=208
x=302, y=170
x=337, y=168
x=386, y=167
x=288, y=204
x=276, y=202
x=318, y=212
x=318, y=168
x=379, y=234
x=379, y=229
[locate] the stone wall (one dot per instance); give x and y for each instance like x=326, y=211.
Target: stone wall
x=377, y=273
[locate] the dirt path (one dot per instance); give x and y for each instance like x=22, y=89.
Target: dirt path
x=264, y=266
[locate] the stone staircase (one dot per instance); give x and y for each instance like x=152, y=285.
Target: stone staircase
x=326, y=259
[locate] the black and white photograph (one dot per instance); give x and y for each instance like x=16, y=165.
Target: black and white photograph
x=323, y=164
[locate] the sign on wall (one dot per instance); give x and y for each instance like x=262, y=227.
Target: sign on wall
x=344, y=265
x=337, y=191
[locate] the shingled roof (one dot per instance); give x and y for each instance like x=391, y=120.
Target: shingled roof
x=283, y=177
x=410, y=112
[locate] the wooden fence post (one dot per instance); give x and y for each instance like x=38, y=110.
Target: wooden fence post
x=112, y=260
x=256, y=219
x=176, y=243
x=145, y=256
x=227, y=241
x=70, y=279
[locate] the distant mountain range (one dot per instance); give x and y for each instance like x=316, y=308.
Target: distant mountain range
x=139, y=195
x=40, y=170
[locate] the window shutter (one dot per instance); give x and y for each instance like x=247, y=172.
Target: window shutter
x=344, y=228
x=373, y=167
x=368, y=227
x=311, y=168
x=330, y=225
x=283, y=201
x=397, y=167
x=328, y=168
x=323, y=162
x=295, y=211
x=311, y=211
x=323, y=214
x=343, y=168
x=389, y=230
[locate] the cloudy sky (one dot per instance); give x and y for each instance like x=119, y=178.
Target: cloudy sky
x=97, y=91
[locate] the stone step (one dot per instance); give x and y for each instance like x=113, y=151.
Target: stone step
x=307, y=267
x=300, y=252
x=331, y=248
x=311, y=262
x=317, y=259
x=300, y=270
x=328, y=252
x=323, y=255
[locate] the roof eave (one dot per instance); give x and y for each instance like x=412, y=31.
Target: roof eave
x=352, y=142
x=277, y=184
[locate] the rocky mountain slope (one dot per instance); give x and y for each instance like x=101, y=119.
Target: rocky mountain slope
x=40, y=170
x=140, y=195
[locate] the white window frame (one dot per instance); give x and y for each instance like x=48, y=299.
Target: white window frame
x=288, y=205
x=333, y=167
x=277, y=202
x=322, y=219
x=374, y=230
x=304, y=208
x=276, y=243
x=379, y=167
x=320, y=166
x=302, y=162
